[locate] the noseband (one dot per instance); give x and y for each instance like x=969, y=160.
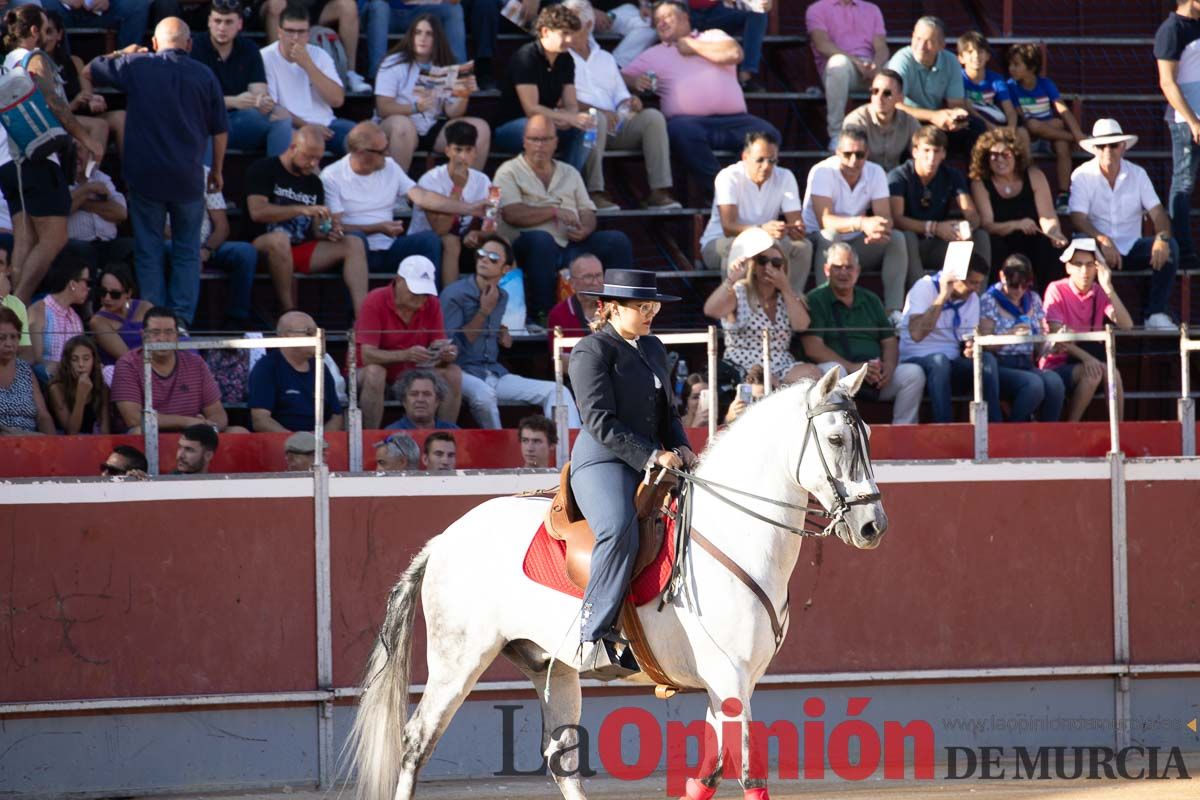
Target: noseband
x=860, y=458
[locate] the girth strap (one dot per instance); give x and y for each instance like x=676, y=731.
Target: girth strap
x=745, y=578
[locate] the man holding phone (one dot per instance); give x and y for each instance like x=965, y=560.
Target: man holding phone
x=401, y=328
x=97, y=208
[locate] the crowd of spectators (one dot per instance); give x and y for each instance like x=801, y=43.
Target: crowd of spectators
x=941, y=152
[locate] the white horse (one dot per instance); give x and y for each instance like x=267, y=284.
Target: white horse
x=715, y=636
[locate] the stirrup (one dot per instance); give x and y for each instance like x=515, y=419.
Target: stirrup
x=599, y=660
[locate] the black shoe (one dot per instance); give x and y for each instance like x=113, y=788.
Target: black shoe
x=600, y=660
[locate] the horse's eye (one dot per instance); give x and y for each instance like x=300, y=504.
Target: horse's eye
x=836, y=440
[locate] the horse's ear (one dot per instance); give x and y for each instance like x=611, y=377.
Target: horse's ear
x=827, y=383
x=852, y=383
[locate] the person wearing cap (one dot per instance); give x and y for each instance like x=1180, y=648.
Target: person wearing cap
x=630, y=424
x=238, y=65
x=473, y=308
x=401, y=328
x=281, y=383
x=758, y=295
x=1083, y=301
x=755, y=193
x=1109, y=196
x=937, y=330
x=300, y=450
x=1011, y=306
x=397, y=453
x=362, y=188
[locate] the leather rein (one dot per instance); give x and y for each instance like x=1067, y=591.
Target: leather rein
x=842, y=504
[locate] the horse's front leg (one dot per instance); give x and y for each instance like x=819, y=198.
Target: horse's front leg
x=711, y=768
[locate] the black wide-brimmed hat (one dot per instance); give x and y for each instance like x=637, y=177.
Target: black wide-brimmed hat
x=631, y=284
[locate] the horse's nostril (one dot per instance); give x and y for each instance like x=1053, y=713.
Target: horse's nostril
x=869, y=531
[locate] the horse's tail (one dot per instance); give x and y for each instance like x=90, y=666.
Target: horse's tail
x=375, y=742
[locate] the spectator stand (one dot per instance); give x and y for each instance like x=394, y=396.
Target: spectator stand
x=150, y=416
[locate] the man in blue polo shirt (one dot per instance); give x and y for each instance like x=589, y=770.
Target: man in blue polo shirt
x=174, y=104
x=238, y=65
x=281, y=384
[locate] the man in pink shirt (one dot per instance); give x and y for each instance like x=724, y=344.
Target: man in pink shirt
x=1083, y=301
x=849, y=45
x=698, y=83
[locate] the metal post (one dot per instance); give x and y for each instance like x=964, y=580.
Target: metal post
x=713, y=379
x=149, y=415
x=562, y=448
x=979, y=412
x=1187, y=406
x=1120, y=584
x=354, y=413
x=326, y=761
x=319, y=399
x=766, y=361
x=1110, y=359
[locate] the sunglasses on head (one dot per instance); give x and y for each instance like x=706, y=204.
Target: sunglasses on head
x=762, y=261
x=495, y=258
x=227, y=6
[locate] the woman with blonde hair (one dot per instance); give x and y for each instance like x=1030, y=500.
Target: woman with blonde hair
x=78, y=394
x=1015, y=205
x=756, y=295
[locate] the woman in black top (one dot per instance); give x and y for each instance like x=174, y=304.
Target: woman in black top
x=621, y=383
x=1015, y=205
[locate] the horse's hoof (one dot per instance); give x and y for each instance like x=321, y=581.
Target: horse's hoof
x=698, y=791
x=757, y=794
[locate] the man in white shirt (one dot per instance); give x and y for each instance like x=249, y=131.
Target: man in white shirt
x=937, y=334
x=361, y=189
x=458, y=180
x=97, y=208
x=847, y=200
x=1108, y=198
x=303, y=82
x=620, y=118
x=754, y=193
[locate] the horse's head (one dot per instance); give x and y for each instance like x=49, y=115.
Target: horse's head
x=835, y=461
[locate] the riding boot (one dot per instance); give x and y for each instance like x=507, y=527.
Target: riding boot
x=600, y=660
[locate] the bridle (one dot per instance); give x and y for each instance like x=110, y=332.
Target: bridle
x=842, y=502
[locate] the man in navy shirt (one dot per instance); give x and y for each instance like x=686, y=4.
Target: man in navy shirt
x=421, y=391
x=281, y=384
x=238, y=65
x=174, y=105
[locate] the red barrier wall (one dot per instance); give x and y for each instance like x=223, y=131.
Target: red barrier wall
x=156, y=598
x=73, y=456
x=111, y=599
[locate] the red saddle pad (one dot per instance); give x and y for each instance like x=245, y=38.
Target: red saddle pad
x=546, y=563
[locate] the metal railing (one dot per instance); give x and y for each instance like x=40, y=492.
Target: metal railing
x=563, y=343
x=979, y=409
x=1187, y=404
x=150, y=416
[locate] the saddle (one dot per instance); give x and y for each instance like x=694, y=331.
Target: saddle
x=565, y=522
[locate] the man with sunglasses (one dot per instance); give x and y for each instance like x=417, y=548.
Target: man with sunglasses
x=397, y=453
x=849, y=43
x=1109, y=197
x=474, y=308
x=847, y=201
x=124, y=460
x=238, y=65
x=889, y=129
x=755, y=193
x=361, y=189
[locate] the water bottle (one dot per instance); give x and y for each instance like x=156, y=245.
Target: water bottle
x=589, y=135
x=681, y=373
x=624, y=114
x=653, y=78
x=493, y=209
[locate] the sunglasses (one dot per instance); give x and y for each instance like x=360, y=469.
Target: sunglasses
x=110, y=471
x=646, y=309
x=881, y=92
x=1000, y=154
x=926, y=199
x=495, y=258
x=854, y=155
x=774, y=261
x=227, y=6
x=112, y=294
x=1108, y=145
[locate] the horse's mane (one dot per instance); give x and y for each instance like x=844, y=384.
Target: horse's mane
x=761, y=420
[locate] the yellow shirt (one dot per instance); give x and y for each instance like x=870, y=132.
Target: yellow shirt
x=13, y=302
x=519, y=184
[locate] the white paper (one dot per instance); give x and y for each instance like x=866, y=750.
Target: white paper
x=958, y=257
x=89, y=169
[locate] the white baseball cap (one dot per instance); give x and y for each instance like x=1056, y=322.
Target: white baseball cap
x=418, y=273
x=1085, y=244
